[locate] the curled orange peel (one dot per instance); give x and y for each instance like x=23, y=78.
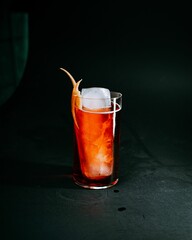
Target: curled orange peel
x=76, y=96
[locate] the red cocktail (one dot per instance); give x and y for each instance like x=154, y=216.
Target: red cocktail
x=97, y=141
x=96, y=115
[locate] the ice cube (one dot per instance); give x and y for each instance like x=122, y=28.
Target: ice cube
x=98, y=171
x=96, y=98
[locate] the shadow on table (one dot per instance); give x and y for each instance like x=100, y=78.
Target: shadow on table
x=35, y=174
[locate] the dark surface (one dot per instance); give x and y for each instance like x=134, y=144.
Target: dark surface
x=143, y=52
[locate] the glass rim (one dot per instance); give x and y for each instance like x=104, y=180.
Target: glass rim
x=112, y=96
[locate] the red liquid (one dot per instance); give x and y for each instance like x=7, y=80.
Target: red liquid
x=96, y=148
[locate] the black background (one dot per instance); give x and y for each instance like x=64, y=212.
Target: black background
x=142, y=50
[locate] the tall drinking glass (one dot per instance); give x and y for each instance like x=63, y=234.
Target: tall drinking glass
x=97, y=143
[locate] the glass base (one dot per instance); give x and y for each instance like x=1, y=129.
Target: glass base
x=95, y=186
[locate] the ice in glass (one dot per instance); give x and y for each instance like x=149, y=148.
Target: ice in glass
x=96, y=113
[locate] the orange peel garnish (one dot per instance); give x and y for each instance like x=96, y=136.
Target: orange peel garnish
x=76, y=95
